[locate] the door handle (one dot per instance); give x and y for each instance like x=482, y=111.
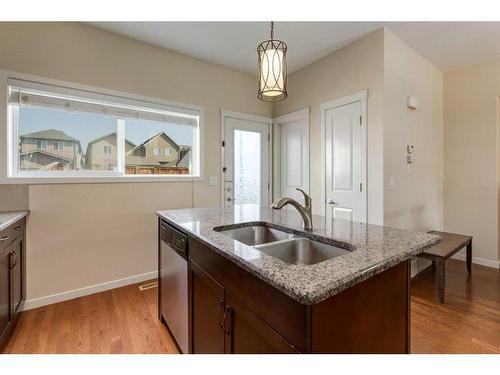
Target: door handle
x=330, y=201
x=13, y=253
x=18, y=228
x=219, y=317
x=227, y=330
x=4, y=238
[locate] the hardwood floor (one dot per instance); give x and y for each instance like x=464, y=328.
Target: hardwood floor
x=468, y=321
x=124, y=320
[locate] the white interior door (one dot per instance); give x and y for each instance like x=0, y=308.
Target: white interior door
x=294, y=154
x=345, y=147
x=246, y=159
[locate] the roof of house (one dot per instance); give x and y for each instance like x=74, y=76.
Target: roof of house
x=46, y=153
x=52, y=134
x=184, y=159
x=157, y=135
x=106, y=136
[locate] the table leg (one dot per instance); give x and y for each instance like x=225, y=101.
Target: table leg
x=440, y=279
x=469, y=257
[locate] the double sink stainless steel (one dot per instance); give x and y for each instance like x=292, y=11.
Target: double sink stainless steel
x=285, y=246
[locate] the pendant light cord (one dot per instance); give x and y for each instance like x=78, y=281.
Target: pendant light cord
x=272, y=30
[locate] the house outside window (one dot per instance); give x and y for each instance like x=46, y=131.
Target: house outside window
x=41, y=144
x=65, y=132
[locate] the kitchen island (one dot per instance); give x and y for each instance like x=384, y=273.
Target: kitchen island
x=243, y=298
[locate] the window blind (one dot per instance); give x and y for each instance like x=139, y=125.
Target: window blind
x=27, y=93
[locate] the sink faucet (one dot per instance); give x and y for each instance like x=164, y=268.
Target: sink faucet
x=304, y=211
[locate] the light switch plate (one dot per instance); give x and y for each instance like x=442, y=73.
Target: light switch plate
x=212, y=181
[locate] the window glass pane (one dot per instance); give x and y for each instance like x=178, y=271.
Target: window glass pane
x=158, y=148
x=56, y=140
x=247, y=162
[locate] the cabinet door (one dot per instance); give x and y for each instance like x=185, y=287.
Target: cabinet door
x=207, y=312
x=5, y=300
x=17, y=265
x=246, y=333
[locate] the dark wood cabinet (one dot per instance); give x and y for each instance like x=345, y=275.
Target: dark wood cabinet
x=17, y=279
x=5, y=305
x=12, y=278
x=246, y=333
x=207, y=312
x=221, y=323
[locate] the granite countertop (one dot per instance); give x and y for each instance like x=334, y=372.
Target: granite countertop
x=8, y=218
x=374, y=248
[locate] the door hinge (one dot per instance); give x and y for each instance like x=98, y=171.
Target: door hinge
x=223, y=143
x=268, y=137
x=360, y=120
x=224, y=169
x=361, y=186
x=268, y=186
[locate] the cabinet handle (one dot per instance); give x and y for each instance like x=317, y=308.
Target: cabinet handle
x=219, y=318
x=4, y=238
x=227, y=330
x=18, y=227
x=13, y=253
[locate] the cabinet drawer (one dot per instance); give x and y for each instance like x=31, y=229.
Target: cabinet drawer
x=6, y=237
x=17, y=229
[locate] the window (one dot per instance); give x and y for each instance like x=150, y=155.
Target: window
x=41, y=144
x=64, y=132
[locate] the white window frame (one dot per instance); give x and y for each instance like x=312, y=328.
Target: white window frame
x=9, y=138
x=43, y=142
x=156, y=150
x=168, y=151
x=106, y=147
x=58, y=145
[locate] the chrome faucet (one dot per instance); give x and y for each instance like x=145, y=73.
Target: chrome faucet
x=304, y=211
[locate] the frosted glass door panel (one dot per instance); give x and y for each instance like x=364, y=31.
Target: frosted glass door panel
x=247, y=162
x=246, y=155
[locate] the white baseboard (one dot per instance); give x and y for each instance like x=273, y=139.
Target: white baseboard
x=476, y=260
x=75, y=293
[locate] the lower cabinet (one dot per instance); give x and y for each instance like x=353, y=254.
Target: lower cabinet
x=12, y=279
x=221, y=323
x=207, y=312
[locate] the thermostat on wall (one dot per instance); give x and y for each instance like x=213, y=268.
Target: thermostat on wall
x=412, y=102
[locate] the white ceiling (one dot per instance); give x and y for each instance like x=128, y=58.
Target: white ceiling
x=448, y=45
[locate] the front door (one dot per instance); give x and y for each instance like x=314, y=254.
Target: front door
x=246, y=159
x=345, y=150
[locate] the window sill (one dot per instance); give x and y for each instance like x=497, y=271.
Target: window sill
x=94, y=180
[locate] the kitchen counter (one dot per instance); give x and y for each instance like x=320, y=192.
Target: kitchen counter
x=374, y=249
x=8, y=218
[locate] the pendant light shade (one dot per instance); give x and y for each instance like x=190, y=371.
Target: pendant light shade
x=272, y=73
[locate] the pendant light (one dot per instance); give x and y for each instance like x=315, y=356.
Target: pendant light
x=272, y=74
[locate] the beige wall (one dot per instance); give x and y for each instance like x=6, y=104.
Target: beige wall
x=416, y=201
x=471, y=155
x=13, y=197
x=356, y=67
x=112, y=235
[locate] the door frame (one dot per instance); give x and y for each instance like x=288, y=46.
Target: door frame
x=301, y=114
x=362, y=98
x=225, y=114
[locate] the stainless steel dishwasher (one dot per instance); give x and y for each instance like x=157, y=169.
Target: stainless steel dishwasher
x=174, y=283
